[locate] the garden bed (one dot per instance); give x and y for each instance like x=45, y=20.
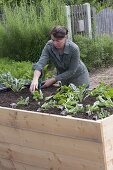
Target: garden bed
x=45, y=141
x=40, y=141
x=9, y=97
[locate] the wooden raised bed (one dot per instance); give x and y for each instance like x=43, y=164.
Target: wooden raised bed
x=36, y=141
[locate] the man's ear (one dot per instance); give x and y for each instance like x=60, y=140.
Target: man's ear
x=66, y=36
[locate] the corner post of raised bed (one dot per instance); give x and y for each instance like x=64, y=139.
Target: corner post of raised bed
x=107, y=136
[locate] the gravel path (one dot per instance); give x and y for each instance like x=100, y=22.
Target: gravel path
x=102, y=75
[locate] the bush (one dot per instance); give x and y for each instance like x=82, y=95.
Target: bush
x=25, y=29
x=96, y=52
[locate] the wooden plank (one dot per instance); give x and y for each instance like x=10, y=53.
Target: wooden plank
x=43, y=159
x=109, y=149
x=109, y=165
x=68, y=16
x=104, y=22
x=6, y=164
x=93, y=21
x=107, y=126
x=87, y=19
x=82, y=149
x=75, y=18
x=51, y=124
x=28, y=156
x=72, y=19
x=103, y=145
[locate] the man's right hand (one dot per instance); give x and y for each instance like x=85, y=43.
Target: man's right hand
x=34, y=86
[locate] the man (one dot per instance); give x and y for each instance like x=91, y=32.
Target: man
x=65, y=55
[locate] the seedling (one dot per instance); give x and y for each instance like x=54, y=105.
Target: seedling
x=22, y=101
x=37, y=95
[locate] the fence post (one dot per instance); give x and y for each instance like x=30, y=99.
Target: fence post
x=68, y=16
x=88, y=19
x=93, y=21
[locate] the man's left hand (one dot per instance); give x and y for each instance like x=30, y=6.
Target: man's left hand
x=48, y=82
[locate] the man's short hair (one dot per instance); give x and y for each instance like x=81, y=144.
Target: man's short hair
x=59, y=31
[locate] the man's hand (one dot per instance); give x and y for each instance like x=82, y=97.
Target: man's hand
x=34, y=85
x=48, y=82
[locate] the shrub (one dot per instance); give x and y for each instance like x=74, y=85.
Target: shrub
x=24, y=29
x=96, y=52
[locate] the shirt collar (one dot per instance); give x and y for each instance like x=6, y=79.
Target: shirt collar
x=66, y=48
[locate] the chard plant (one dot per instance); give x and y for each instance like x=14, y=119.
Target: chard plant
x=67, y=99
x=37, y=94
x=91, y=109
x=105, y=102
x=99, y=107
x=102, y=90
x=103, y=113
x=81, y=91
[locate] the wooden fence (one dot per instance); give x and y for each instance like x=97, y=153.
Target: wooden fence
x=82, y=19
x=79, y=19
x=104, y=22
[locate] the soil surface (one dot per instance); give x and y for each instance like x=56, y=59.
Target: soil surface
x=7, y=97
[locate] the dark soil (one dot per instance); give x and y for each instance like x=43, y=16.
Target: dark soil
x=7, y=97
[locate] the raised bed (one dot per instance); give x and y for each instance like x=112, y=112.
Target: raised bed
x=39, y=141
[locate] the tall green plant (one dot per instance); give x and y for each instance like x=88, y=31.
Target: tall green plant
x=25, y=28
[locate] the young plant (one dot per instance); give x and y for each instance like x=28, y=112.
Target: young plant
x=11, y=82
x=22, y=101
x=67, y=98
x=37, y=95
x=103, y=90
x=80, y=91
x=103, y=113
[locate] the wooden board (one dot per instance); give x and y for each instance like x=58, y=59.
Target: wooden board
x=44, y=159
x=51, y=142
x=107, y=126
x=51, y=124
x=6, y=164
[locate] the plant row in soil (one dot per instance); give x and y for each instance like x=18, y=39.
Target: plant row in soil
x=8, y=97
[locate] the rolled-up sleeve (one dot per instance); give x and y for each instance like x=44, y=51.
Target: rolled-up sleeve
x=73, y=65
x=43, y=60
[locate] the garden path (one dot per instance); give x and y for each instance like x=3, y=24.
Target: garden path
x=101, y=75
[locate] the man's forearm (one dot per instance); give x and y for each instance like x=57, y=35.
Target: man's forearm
x=66, y=75
x=36, y=74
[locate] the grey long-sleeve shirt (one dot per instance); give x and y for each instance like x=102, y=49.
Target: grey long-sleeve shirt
x=68, y=64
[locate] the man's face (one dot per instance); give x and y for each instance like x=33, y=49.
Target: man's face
x=58, y=42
